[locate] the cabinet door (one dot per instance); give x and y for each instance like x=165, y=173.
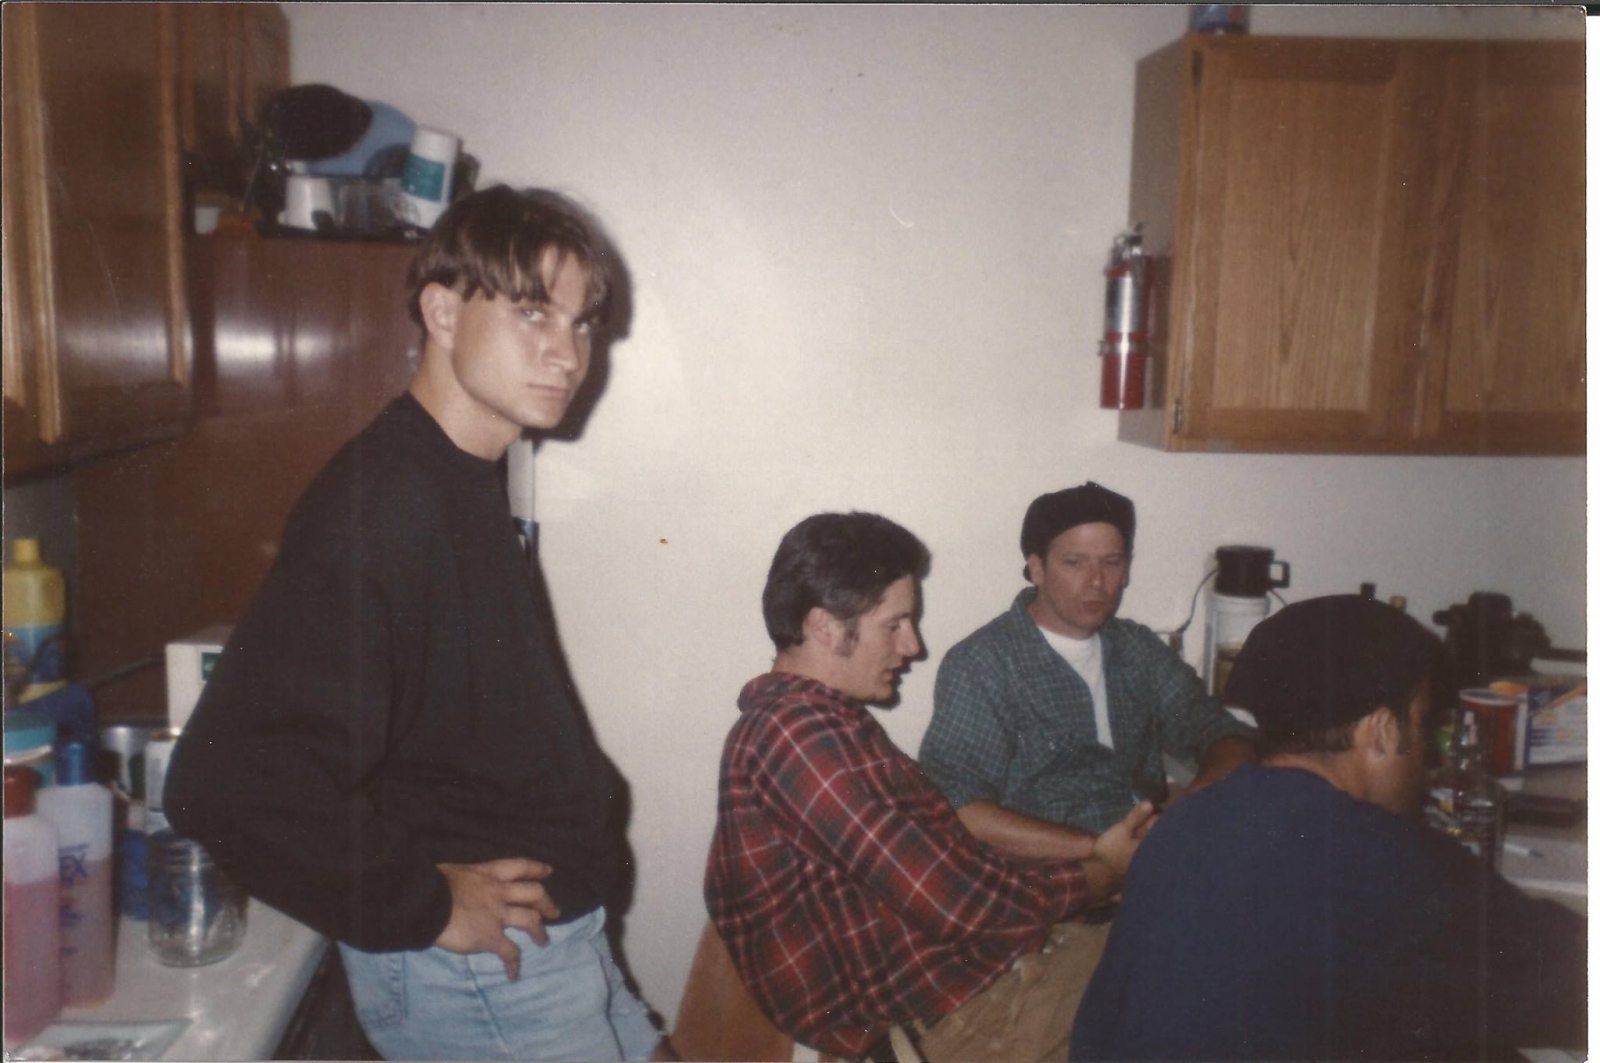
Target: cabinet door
x=96, y=342
x=232, y=58
x=299, y=344
x=1289, y=289
x=1511, y=339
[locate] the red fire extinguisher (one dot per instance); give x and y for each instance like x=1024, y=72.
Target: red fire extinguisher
x=1124, y=348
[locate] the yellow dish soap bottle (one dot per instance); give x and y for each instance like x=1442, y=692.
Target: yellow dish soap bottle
x=35, y=618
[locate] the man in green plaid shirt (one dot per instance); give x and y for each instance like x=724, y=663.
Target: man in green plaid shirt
x=1050, y=721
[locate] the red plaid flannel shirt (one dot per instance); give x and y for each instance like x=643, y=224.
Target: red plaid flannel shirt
x=847, y=891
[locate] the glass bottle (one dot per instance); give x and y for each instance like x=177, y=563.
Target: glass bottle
x=1464, y=800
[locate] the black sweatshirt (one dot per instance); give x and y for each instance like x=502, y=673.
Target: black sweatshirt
x=391, y=701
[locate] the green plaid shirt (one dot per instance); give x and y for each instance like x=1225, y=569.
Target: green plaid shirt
x=1013, y=723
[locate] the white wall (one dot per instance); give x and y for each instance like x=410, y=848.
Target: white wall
x=867, y=246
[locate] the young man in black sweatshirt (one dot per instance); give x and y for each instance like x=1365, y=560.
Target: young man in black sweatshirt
x=386, y=750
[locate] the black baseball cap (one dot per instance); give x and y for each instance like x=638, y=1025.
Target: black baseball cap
x=1325, y=662
x=1088, y=503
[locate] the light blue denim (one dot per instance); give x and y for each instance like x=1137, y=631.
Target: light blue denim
x=569, y=1004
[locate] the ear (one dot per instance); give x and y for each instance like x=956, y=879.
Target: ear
x=1036, y=569
x=823, y=628
x=1378, y=733
x=441, y=309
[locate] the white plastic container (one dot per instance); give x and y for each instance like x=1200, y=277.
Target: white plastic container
x=80, y=811
x=429, y=168
x=32, y=914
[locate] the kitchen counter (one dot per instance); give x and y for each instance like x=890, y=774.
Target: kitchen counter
x=1551, y=861
x=236, y=1009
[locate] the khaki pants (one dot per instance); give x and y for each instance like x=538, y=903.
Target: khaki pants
x=1026, y=1013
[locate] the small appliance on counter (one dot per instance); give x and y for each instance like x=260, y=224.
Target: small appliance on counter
x=1494, y=650
x=189, y=664
x=1238, y=603
x=1486, y=640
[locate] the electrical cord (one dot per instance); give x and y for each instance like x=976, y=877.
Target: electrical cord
x=1176, y=634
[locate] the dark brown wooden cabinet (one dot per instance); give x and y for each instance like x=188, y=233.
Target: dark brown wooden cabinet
x=114, y=116
x=96, y=336
x=299, y=344
x=1363, y=245
x=232, y=58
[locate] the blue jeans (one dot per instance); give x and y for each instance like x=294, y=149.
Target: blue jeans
x=570, y=1002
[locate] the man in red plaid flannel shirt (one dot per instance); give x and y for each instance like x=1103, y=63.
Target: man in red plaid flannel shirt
x=847, y=891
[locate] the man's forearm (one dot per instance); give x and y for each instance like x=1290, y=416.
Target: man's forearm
x=1024, y=836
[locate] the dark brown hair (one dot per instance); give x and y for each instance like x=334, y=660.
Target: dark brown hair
x=843, y=562
x=495, y=242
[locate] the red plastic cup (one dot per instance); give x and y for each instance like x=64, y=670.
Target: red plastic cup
x=1497, y=727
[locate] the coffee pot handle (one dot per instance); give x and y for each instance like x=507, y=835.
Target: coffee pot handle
x=1284, y=581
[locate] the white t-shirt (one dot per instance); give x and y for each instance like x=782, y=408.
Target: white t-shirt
x=1084, y=657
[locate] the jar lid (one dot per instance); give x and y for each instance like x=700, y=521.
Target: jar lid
x=28, y=731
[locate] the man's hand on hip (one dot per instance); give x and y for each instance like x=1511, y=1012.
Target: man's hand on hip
x=486, y=899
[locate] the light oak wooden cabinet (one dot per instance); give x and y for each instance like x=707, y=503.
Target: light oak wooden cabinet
x=96, y=343
x=1363, y=245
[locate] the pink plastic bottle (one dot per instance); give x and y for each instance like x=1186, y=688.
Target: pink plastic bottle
x=32, y=914
x=80, y=810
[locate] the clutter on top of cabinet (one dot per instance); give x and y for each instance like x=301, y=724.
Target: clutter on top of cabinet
x=329, y=165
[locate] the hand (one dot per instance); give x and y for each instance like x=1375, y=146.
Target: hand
x=1114, y=850
x=487, y=898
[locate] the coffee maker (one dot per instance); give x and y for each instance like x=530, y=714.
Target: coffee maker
x=1238, y=603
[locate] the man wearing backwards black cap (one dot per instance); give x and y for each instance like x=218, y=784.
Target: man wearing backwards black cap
x=1050, y=721
x=1300, y=910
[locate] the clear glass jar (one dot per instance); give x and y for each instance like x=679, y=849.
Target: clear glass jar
x=197, y=914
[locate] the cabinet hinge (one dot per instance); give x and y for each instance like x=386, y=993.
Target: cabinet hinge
x=1177, y=417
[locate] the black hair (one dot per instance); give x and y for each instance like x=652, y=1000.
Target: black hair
x=843, y=562
x=496, y=240
x=1340, y=738
x=1428, y=673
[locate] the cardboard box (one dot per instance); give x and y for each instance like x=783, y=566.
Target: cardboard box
x=189, y=664
x=1557, y=728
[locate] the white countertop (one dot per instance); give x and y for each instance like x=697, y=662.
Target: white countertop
x=235, y=1009
x=1560, y=869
